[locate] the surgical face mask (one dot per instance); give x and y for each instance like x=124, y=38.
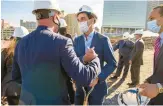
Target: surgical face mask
x=55, y=17
x=84, y=26
x=152, y=26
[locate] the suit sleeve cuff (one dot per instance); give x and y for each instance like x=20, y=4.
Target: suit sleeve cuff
x=82, y=59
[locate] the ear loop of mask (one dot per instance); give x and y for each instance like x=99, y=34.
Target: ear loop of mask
x=89, y=24
x=57, y=24
x=52, y=14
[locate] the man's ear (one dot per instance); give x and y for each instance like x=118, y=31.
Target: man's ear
x=91, y=21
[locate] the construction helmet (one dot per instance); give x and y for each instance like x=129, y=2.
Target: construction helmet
x=88, y=10
x=47, y=5
x=132, y=97
x=139, y=32
x=97, y=29
x=126, y=35
x=62, y=23
x=45, y=9
x=20, y=32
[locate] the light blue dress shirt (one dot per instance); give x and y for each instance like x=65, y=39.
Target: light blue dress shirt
x=161, y=35
x=88, y=40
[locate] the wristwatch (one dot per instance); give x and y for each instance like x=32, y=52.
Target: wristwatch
x=160, y=87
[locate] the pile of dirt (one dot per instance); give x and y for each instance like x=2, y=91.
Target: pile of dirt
x=149, y=42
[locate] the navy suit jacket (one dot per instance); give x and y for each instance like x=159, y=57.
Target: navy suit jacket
x=125, y=48
x=42, y=60
x=104, y=50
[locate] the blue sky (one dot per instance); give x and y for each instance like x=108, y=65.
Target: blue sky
x=12, y=11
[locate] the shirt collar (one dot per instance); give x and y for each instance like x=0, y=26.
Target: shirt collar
x=138, y=39
x=161, y=36
x=90, y=36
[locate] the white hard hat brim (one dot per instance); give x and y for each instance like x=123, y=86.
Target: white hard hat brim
x=94, y=15
x=47, y=5
x=139, y=32
x=20, y=32
x=142, y=97
x=19, y=36
x=34, y=11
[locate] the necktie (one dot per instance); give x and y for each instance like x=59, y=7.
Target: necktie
x=157, y=48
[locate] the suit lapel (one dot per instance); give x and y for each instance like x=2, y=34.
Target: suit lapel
x=135, y=44
x=82, y=42
x=123, y=43
x=159, y=55
x=138, y=41
x=94, y=40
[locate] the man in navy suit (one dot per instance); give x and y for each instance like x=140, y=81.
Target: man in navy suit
x=102, y=46
x=125, y=47
x=43, y=59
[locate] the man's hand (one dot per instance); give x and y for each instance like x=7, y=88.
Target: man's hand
x=4, y=100
x=94, y=82
x=90, y=55
x=130, y=62
x=149, y=90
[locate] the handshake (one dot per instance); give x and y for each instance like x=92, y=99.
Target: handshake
x=89, y=55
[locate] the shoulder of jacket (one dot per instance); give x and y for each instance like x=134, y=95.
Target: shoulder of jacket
x=103, y=37
x=141, y=41
x=78, y=38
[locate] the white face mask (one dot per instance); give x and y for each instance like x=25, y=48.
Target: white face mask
x=152, y=26
x=84, y=26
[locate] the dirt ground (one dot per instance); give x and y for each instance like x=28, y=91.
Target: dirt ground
x=116, y=86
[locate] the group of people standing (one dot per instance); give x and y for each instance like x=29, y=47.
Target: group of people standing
x=152, y=87
x=130, y=53
x=43, y=63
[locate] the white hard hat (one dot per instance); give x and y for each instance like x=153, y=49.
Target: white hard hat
x=62, y=22
x=87, y=9
x=47, y=4
x=138, y=32
x=20, y=32
x=132, y=97
x=126, y=35
x=96, y=28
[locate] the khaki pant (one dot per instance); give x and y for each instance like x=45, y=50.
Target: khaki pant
x=135, y=74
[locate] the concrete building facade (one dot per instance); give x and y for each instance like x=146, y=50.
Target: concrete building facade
x=72, y=24
x=29, y=25
x=126, y=16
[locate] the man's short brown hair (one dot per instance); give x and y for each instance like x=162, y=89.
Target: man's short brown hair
x=42, y=14
x=161, y=9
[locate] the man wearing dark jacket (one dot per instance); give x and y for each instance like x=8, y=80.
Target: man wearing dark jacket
x=153, y=86
x=43, y=59
x=63, y=31
x=136, y=59
x=101, y=44
x=125, y=47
